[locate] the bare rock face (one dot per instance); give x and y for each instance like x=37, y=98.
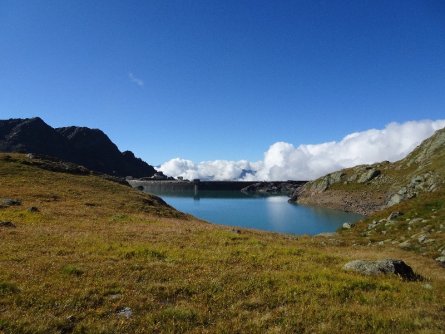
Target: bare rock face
x=90, y=148
x=383, y=267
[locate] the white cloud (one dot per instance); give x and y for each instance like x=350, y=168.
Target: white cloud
x=284, y=161
x=135, y=80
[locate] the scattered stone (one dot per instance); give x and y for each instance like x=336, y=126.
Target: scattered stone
x=394, y=215
x=395, y=199
x=236, y=231
x=347, y=226
x=415, y=220
x=115, y=296
x=427, y=286
x=369, y=175
x=422, y=238
x=383, y=267
x=10, y=202
x=326, y=234
x=125, y=312
x=7, y=224
x=372, y=225
x=405, y=244
x=33, y=209
x=441, y=260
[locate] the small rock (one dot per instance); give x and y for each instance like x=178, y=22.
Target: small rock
x=415, y=220
x=125, y=312
x=10, y=202
x=394, y=215
x=422, y=238
x=326, y=234
x=33, y=209
x=115, y=296
x=405, y=244
x=7, y=224
x=372, y=225
x=347, y=226
x=379, y=267
x=395, y=199
x=427, y=286
x=441, y=260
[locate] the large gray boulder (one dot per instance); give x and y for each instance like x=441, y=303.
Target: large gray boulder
x=383, y=267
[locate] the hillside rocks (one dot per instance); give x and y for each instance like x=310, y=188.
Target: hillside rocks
x=90, y=148
x=383, y=267
x=366, y=189
x=427, y=182
x=273, y=188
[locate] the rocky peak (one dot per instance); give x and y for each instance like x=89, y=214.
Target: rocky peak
x=81, y=145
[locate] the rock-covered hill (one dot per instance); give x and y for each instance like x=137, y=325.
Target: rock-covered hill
x=81, y=145
x=366, y=189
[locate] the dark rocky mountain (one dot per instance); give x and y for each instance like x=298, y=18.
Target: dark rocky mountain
x=88, y=147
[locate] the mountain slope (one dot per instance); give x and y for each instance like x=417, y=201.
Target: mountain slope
x=94, y=256
x=88, y=147
x=367, y=189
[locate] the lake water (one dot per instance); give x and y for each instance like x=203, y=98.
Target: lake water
x=272, y=213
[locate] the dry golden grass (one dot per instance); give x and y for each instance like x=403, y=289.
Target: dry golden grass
x=96, y=247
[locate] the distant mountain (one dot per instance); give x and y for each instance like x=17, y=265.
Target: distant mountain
x=88, y=147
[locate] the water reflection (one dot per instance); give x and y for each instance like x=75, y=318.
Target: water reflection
x=265, y=213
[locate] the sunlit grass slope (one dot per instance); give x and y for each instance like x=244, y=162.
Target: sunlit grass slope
x=100, y=257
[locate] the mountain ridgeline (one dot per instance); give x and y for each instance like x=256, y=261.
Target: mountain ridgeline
x=366, y=189
x=81, y=145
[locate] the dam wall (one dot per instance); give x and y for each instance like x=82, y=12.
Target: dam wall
x=195, y=188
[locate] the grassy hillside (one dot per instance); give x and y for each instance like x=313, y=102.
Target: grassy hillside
x=100, y=257
x=367, y=189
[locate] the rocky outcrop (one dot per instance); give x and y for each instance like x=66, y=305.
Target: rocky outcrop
x=273, y=188
x=366, y=189
x=90, y=148
x=383, y=267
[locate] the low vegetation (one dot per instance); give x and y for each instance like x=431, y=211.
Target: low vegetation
x=95, y=256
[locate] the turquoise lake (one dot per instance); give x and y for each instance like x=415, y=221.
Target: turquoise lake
x=272, y=213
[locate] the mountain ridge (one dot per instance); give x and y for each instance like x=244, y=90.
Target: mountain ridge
x=88, y=147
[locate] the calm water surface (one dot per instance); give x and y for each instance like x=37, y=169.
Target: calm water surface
x=264, y=213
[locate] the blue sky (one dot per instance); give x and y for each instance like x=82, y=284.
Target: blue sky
x=207, y=80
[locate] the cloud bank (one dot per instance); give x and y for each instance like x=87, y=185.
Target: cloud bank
x=284, y=161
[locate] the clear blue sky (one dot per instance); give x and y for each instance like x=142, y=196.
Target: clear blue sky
x=222, y=79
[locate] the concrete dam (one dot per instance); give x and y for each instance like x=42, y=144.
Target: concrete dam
x=207, y=188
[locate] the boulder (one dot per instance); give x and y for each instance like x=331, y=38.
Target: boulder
x=7, y=224
x=347, y=226
x=10, y=202
x=369, y=175
x=441, y=260
x=394, y=215
x=383, y=267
